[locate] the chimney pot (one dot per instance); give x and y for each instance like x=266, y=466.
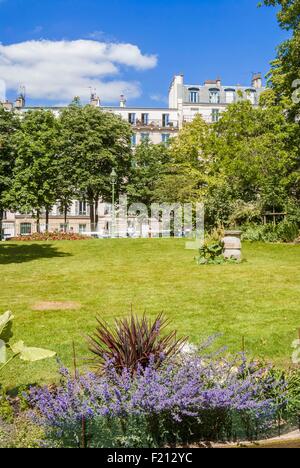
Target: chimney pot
x=122, y=101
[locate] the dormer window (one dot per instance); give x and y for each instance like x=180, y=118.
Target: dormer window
x=230, y=95
x=214, y=96
x=194, y=95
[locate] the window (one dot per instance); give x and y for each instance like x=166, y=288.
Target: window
x=165, y=138
x=145, y=137
x=214, y=96
x=194, y=95
x=132, y=118
x=25, y=229
x=133, y=140
x=82, y=208
x=82, y=228
x=215, y=115
x=165, y=120
x=230, y=96
x=145, y=119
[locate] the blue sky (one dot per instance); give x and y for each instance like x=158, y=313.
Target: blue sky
x=201, y=38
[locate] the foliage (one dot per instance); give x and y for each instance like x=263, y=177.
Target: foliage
x=18, y=349
x=23, y=433
x=50, y=236
x=6, y=411
x=35, y=180
x=149, y=162
x=191, y=398
x=211, y=253
x=219, y=202
x=254, y=151
x=243, y=213
x=286, y=231
x=9, y=124
x=286, y=67
x=93, y=142
x=133, y=342
x=186, y=174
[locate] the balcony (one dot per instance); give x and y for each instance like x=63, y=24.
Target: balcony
x=159, y=124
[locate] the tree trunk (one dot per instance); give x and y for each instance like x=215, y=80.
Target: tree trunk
x=96, y=212
x=1, y=224
x=92, y=215
x=47, y=219
x=65, y=217
x=38, y=224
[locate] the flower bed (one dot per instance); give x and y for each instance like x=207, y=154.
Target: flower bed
x=50, y=236
x=185, y=401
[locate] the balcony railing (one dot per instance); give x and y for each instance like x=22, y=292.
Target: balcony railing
x=156, y=124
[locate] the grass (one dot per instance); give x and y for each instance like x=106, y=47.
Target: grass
x=258, y=299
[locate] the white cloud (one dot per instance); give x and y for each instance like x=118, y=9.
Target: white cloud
x=60, y=70
x=159, y=98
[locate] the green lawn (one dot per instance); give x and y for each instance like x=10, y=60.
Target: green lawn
x=258, y=299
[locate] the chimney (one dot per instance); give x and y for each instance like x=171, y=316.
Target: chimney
x=95, y=100
x=257, y=80
x=122, y=101
x=7, y=105
x=20, y=102
x=218, y=82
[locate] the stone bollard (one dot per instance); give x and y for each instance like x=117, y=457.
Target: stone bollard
x=233, y=245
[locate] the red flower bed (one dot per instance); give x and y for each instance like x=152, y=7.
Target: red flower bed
x=51, y=236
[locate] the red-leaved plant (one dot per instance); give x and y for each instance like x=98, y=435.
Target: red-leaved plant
x=133, y=342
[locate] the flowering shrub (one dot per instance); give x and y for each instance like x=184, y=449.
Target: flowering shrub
x=190, y=399
x=51, y=236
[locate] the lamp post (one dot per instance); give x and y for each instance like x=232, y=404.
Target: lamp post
x=113, y=178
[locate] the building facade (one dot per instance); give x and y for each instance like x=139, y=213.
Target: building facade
x=156, y=125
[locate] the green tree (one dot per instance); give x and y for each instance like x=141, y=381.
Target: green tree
x=149, y=162
x=255, y=151
x=8, y=126
x=94, y=142
x=284, y=76
x=185, y=176
x=36, y=172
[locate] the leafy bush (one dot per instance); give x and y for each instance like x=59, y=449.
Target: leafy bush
x=6, y=411
x=243, y=213
x=9, y=351
x=132, y=342
x=191, y=398
x=23, y=433
x=211, y=253
x=50, y=236
x=286, y=231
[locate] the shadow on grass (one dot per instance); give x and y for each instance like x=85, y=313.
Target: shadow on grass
x=12, y=253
